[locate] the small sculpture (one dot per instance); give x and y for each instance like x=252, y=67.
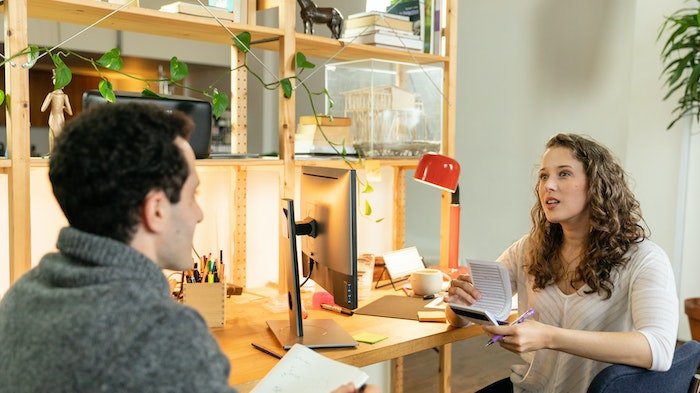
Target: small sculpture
x=311, y=14
x=59, y=103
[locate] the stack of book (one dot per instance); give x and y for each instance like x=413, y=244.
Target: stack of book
x=310, y=139
x=381, y=29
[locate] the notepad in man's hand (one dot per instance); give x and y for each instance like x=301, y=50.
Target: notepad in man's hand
x=305, y=370
x=493, y=282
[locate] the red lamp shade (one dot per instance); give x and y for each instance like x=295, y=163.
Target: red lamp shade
x=438, y=171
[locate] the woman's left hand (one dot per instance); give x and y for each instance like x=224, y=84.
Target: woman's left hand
x=524, y=337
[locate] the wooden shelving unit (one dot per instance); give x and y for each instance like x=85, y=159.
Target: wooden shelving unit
x=284, y=40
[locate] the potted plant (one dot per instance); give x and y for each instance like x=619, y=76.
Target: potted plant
x=681, y=58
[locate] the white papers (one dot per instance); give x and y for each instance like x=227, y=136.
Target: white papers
x=305, y=370
x=401, y=263
x=493, y=282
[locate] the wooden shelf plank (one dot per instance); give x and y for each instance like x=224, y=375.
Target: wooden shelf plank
x=41, y=162
x=339, y=162
x=326, y=48
x=236, y=162
x=5, y=163
x=144, y=20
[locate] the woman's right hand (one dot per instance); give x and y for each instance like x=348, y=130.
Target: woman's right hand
x=461, y=291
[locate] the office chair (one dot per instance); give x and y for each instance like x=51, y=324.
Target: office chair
x=620, y=378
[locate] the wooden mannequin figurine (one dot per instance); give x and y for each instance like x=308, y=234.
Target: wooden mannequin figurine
x=59, y=103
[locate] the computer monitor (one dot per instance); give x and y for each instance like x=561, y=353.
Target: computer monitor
x=200, y=112
x=329, y=206
x=329, y=197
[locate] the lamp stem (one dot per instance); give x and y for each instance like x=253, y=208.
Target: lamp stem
x=453, y=251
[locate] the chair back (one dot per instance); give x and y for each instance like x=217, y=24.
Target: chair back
x=619, y=378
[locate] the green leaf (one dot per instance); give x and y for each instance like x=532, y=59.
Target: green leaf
x=112, y=60
x=330, y=99
x=302, y=62
x=32, y=55
x=150, y=93
x=368, y=188
x=368, y=208
x=219, y=102
x=63, y=75
x=242, y=42
x=379, y=220
x=106, y=90
x=286, y=87
x=2, y=97
x=178, y=69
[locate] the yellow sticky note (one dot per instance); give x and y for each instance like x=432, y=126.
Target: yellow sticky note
x=369, y=338
x=431, y=316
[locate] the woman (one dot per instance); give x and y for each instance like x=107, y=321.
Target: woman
x=603, y=293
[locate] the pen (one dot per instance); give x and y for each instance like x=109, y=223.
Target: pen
x=526, y=315
x=338, y=309
x=266, y=350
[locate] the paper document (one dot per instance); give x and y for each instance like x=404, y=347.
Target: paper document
x=305, y=370
x=493, y=282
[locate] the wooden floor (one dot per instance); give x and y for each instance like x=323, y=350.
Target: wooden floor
x=473, y=367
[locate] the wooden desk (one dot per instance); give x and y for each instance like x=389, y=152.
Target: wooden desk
x=245, y=323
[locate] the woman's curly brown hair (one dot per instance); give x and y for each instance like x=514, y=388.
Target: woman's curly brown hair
x=615, y=218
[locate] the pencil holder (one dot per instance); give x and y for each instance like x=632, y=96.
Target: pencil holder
x=208, y=300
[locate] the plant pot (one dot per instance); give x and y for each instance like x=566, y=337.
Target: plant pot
x=692, y=309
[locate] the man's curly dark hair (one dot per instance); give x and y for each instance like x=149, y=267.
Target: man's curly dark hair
x=109, y=158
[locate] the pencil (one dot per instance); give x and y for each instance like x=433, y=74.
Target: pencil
x=266, y=350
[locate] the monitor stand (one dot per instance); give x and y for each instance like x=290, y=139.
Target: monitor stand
x=318, y=333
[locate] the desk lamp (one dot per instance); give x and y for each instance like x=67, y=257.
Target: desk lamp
x=442, y=172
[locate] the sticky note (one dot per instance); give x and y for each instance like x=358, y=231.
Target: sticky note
x=369, y=338
x=431, y=316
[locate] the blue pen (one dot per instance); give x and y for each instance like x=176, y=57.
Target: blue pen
x=526, y=315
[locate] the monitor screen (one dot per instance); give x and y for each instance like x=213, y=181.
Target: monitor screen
x=200, y=112
x=329, y=197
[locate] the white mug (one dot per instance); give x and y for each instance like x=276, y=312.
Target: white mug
x=426, y=282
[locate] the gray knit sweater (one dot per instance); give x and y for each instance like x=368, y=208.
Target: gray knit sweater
x=97, y=317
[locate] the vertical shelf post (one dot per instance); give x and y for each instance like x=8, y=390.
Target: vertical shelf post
x=17, y=125
x=287, y=22
x=449, y=114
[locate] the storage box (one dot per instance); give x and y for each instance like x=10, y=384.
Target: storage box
x=208, y=299
x=396, y=108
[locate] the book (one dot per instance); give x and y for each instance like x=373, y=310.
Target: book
x=390, y=39
x=225, y=4
x=380, y=14
x=180, y=7
x=349, y=33
x=409, y=8
x=493, y=281
x=310, y=139
x=305, y=370
x=397, y=22
x=325, y=120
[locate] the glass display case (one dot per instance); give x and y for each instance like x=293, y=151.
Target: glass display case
x=395, y=108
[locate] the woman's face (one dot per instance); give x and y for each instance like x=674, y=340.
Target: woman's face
x=563, y=188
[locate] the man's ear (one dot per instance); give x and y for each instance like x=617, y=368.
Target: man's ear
x=155, y=211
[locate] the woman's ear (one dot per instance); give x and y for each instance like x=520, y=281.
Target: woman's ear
x=155, y=211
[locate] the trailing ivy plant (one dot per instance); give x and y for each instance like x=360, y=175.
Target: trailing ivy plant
x=681, y=56
x=112, y=61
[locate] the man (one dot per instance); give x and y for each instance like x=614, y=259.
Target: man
x=97, y=315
